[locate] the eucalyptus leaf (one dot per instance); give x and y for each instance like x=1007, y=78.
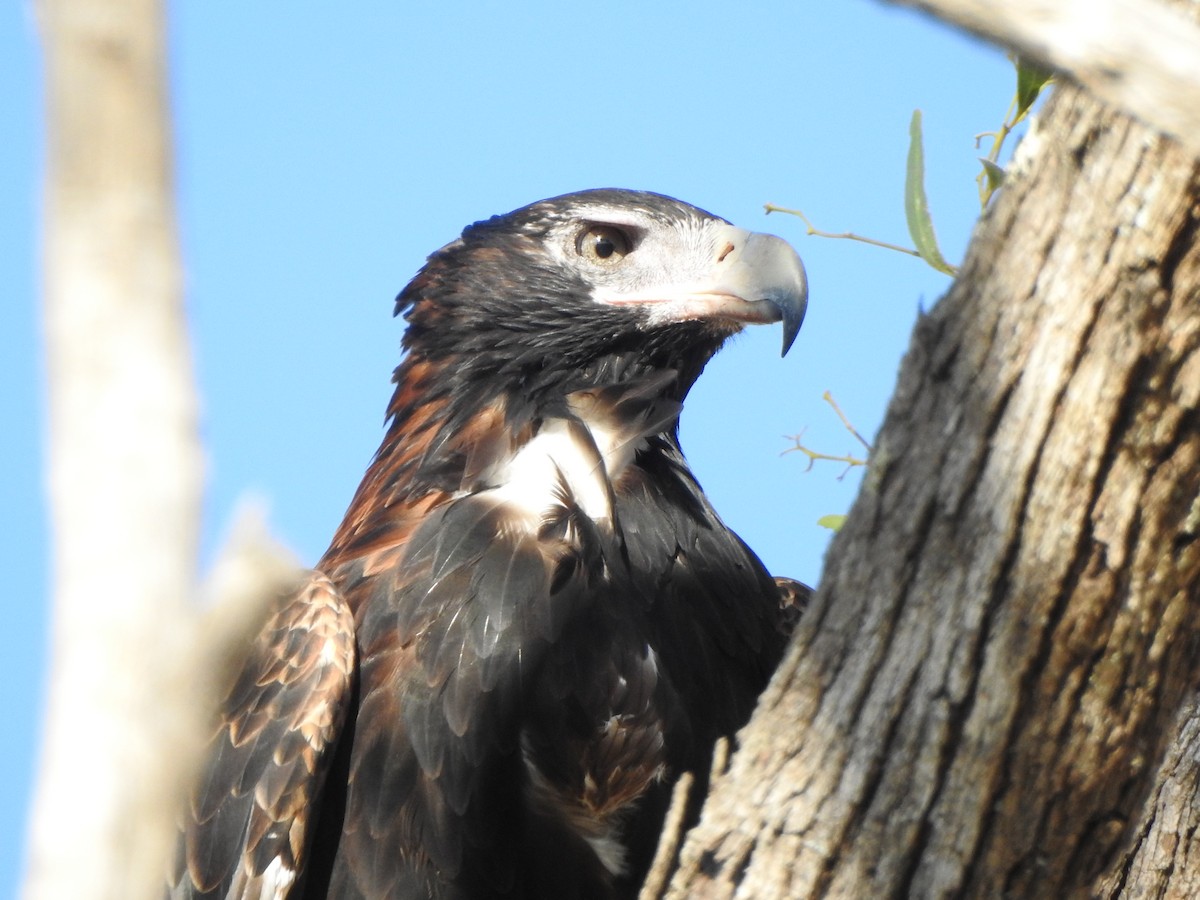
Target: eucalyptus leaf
x=916, y=204
x=1031, y=78
x=995, y=174
x=832, y=522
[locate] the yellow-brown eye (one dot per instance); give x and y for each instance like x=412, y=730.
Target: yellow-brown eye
x=603, y=244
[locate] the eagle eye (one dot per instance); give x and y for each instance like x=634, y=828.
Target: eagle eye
x=602, y=244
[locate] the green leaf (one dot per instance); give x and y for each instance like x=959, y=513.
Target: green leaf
x=832, y=522
x=916, y=204
x=1031, y=78
x=995, y=174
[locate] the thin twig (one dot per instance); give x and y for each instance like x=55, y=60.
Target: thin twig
x=850, y=460
x=998, y=138
x=813, y=456
x=844, y=235
x=828, y=398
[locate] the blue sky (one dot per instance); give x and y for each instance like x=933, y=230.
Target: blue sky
x=322, y=154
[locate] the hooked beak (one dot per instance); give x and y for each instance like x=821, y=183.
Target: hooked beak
x=764, y=269
x=755, y=279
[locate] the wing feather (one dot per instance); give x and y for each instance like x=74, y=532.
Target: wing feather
x=251, y=812
x=472, y=609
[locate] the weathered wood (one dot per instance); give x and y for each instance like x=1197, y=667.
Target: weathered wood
x=1163, y=853
x=979, y=698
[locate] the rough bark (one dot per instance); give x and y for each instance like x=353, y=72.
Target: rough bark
x=982, y=698
x=1162, y=856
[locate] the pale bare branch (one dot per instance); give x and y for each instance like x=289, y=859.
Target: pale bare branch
x=1141, y=56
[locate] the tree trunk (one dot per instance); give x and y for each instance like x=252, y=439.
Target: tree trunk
x=993, y=691
x=125, y=471
x=124, y=457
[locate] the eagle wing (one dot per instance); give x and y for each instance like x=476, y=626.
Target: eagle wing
x=451, y=641
x=249, y=822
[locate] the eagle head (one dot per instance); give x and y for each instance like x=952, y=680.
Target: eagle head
x=565, y=283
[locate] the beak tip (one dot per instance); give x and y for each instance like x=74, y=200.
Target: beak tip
x=792, y=315
x=791, y=328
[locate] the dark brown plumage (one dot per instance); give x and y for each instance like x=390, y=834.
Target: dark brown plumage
x=530, y=620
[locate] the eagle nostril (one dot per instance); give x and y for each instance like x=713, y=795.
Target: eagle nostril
x=729, y=248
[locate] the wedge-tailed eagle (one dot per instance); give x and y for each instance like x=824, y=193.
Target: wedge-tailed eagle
x=531, y=621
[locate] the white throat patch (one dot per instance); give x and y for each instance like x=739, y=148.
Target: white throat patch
x=562, y=458
x=580, y=457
